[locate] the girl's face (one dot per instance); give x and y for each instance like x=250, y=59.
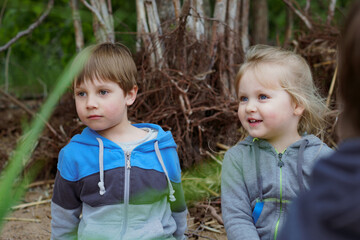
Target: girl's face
x=268, y=112
x=102, y=105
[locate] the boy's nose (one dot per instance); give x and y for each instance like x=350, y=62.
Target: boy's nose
x=91, y=102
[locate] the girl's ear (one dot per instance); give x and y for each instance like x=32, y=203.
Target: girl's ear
x=131, y=96
x=298, y=109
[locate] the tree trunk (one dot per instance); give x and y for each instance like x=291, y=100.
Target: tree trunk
x=166, y=11
x=231, y=40
x=103, y=23
x=330, y=16
x=245, y=6
x=261, y=26
x=79, y=36
x=289, y=27
x=155, y=29
x=177, y=8
x=218, y=29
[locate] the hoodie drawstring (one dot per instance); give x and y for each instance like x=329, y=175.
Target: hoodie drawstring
x=158, y=154
x=300, y=162
x=101, y=184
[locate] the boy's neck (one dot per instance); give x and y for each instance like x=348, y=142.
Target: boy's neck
x=126, y=133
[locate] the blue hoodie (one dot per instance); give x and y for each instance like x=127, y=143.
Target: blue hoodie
x=121, y=195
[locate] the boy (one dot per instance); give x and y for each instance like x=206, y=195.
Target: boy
x=115, y=180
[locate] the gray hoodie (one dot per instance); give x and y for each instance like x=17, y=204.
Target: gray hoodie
x=254, y=172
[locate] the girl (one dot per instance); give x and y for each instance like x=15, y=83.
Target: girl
x=279, y=108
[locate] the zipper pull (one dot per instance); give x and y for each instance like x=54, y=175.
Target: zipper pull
x=128, y=165
x=280, y=163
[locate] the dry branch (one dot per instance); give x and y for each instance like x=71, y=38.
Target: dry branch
x=79, y=36
x=299, y=14
x=26, y=109
x=30, y=28
x=212, y=212
x=25, y=205
x=22, y=219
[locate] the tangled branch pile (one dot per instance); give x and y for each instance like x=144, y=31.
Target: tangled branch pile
x=187, y=95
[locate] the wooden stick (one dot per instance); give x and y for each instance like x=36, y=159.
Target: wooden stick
x=222, y=146
x=40, y=183
x=210, y=228
x=212, y=212
x=331, y=87
x=25, y=205
x=22, y=219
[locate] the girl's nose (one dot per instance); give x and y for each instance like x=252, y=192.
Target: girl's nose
x=250, y=107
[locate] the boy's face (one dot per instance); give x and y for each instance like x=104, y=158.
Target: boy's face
x=268, y=112
x=102, y=105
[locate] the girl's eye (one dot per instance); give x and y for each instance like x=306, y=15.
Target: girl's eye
x=243, y=99
x=81, y=94
x=263, y=97
x=103, y=92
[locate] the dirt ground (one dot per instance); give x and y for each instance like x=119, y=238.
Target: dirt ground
x=31, y=219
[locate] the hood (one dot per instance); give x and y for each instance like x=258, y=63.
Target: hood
x=162, y=141
x=164, y=138
x=312, y=140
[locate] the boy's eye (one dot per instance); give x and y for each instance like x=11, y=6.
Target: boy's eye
x=263, y=97
x=243, y=99
x=103, y=92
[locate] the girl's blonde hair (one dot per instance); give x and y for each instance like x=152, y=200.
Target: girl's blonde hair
x=107, y=61
x=295, y=78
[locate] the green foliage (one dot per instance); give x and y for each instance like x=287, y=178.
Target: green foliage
x=202, y=181
x=12, y=181
x=36, y=60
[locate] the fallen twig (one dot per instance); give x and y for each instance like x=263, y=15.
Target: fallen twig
x=40, y=183
x=331, y=87
x=25, y=205
x=22, y=219
x=212, y=212
x=210, y=228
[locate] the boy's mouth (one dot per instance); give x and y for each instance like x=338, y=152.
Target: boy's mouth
x=93, y=117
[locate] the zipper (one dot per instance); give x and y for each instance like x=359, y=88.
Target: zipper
x=126, y=191
x=280, y=165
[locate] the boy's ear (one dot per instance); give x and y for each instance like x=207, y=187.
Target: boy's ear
x=131, y=96
x=298, y=109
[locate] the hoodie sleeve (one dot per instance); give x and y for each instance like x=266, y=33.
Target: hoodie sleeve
x=178, y=207
x=235, y=202
x=65, y=205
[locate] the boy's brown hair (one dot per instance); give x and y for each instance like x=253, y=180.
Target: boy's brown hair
x=107, y=61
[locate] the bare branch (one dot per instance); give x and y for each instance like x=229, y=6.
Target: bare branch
x=31, y=27
x=300, y=15
x=26, y=109
x=7, y=69
x=2, y=11
x=96, y=12
x=79, y=36
x=331, y=11
x=245, y=24
x=307, y=7
x=177, y=8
